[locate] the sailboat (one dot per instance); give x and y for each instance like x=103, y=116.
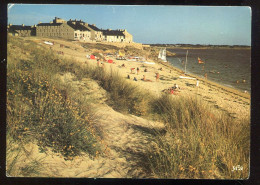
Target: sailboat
x=162, y=55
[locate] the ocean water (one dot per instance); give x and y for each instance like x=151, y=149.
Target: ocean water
x=229, y=67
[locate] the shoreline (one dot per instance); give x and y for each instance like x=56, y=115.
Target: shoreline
x=227, y=99
x=210, y=82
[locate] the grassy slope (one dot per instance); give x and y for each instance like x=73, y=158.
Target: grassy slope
x=200, y=141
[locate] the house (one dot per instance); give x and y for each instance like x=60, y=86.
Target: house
x=81, y=32
x=113, y=35
x=117, y=36
x=21, y=30
x=96, y=33
x=72, y=29
x=57, y=28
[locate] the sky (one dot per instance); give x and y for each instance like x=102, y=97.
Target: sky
x=215, y=25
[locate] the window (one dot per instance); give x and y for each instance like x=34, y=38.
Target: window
x=75, y=34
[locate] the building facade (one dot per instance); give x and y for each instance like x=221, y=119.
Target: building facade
x=72, y=30
x=113, y=36
x=21, y=30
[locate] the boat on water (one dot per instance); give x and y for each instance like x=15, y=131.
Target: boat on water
x=162, y=55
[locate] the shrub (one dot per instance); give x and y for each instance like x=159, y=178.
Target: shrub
x=38, y=109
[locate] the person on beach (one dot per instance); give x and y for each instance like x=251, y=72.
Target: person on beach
x=157, y=77
x=135, y=79
x=132, y=69
x=145, y=70
x=197, y=84
x=137, y=70
x=206, y=76
x=175, y=87
x=98, y=63
x=143, y=78
x=128, y=76
x=171, y=91
x=123, y=65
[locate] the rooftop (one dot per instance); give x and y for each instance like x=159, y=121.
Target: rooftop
x=49, y=24
x=113, y=32
x=20, y=27
x=77, y=26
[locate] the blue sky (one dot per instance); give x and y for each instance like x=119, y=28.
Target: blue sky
x=151, y=24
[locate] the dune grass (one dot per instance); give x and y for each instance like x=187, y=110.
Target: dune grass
x=201, y=142
x=38, y=110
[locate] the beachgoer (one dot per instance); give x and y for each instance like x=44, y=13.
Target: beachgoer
x=128, y=76
x=123, y=65
x=237, y=81
x=144, y=78
x=157, y=77
x=98, y=63
x=244, y=81
x=132, y=69
x=175, y=87
x=135, y=79
x=145, y=70
x=171, y=91
x=137, y=70
x=197, y=84
x=206, y=76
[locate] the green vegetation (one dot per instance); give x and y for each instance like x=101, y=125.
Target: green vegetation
x=39, y=110
x=200, y=142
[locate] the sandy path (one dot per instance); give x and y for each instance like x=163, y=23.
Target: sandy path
x=123, y=136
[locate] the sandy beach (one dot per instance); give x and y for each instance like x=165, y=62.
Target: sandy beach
x=229, y=100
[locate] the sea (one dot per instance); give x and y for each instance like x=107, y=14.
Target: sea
x=228, y=67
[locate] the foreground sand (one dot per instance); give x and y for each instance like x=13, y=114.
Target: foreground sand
x=227, y=99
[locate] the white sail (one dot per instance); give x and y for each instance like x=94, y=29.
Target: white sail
x=162, y=55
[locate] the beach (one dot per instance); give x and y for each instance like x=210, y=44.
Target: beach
x=229, y=100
